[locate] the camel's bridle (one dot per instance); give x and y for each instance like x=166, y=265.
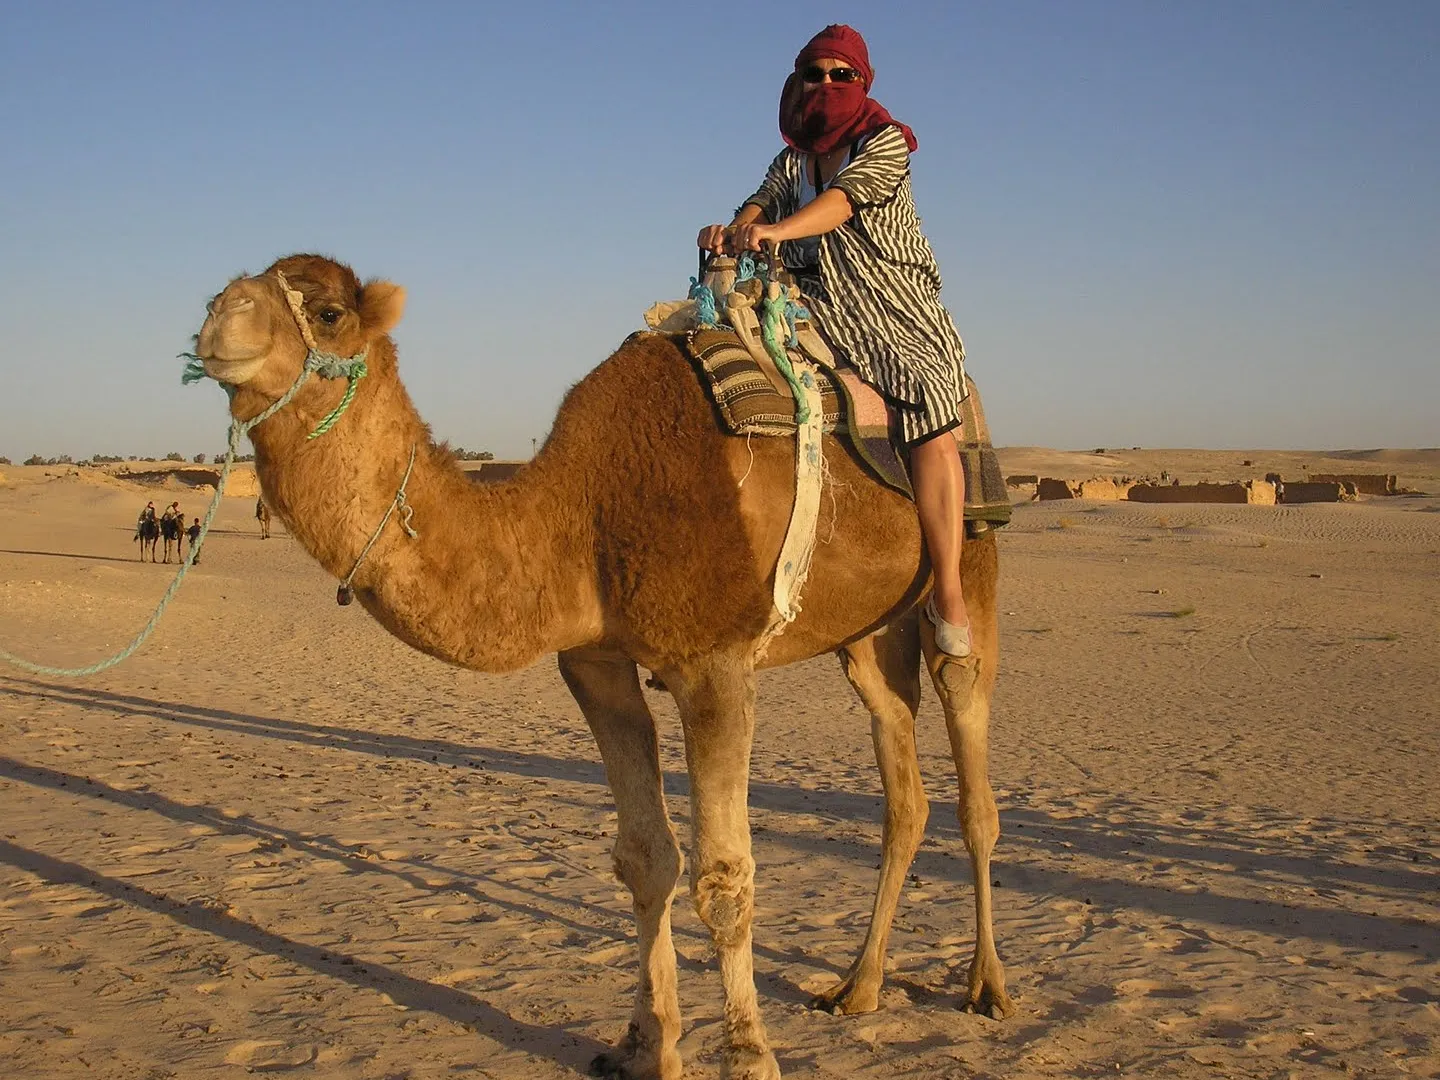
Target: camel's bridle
x=317, y=362
x=327, y=366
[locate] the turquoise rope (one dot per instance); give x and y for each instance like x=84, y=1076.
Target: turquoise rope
x=323, y=364
x=236, y=430
x=704, y=298
x=770, y=335
x=794, y=311
x=356, y=370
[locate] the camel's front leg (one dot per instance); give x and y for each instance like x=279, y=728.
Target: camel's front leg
x=716, y=699
x=964, y=687
x=647, y=856
x=884, y=669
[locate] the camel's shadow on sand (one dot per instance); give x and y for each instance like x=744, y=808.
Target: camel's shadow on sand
x=557, y=1042
x=1027, y=830
x=131, y=558
x=1030, y=835
x=70, y=555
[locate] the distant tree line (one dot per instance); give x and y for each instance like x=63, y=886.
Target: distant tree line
x=110, y=459
x=461, y=454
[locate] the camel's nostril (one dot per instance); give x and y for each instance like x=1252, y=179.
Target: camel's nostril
x=234, y=305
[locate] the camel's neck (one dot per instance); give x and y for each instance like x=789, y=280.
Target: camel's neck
x=499, y=574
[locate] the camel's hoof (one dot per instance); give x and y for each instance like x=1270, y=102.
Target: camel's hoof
x=615, y=1065
x=995, y=1004
x=632, y=1060
x=749, y=1065
x=847, y=1000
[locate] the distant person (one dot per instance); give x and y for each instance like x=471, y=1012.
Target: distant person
x=193, y=535
x=262, y=515
x=147, y=514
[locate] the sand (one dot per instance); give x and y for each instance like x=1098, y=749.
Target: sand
x=279, y=841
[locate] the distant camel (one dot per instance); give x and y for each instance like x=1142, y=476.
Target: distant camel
x=262, y=515
x=172, y=528
x=147, y=531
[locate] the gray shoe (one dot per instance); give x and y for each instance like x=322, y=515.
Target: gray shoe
x=950, y=639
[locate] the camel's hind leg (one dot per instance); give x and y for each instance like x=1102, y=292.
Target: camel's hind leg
x=647, y=856
x=885, y=671
x=716, y=698
x=964, y=687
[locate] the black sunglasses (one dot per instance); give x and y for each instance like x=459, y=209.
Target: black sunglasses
x=815, y=74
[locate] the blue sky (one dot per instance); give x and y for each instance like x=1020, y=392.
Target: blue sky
x=1200, y=223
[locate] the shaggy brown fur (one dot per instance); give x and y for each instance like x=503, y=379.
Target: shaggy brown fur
x=617, y=545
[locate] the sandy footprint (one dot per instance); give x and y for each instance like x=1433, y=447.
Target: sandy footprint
x=270, y=1055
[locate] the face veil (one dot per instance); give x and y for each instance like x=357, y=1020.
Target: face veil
x=833, y=114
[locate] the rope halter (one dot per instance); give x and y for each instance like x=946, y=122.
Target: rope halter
x=327, y=366
x=317, y=362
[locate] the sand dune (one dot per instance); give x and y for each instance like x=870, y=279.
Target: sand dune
x=278, y=841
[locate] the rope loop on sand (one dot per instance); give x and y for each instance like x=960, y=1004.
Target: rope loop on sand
x=194, y=549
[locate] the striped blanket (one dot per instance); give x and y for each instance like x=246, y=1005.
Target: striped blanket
x=752, y=400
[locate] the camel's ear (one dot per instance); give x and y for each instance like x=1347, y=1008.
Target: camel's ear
x=381, y=305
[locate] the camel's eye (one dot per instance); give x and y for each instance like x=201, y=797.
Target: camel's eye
x=330, y=315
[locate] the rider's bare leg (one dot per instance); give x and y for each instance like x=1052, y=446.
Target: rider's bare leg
x=940, y=498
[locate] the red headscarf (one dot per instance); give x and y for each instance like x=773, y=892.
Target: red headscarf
x=833, y=114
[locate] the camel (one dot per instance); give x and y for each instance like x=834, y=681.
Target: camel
x=262, y=515
x=147, y=531
x=172, y=529
x=628, y=540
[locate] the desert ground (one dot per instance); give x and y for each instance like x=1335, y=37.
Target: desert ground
x=276, y=840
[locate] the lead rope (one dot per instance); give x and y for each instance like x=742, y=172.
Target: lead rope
x=345, y=594
x=238, y=429
x=327, y=366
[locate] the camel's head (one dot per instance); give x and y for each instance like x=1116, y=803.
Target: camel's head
x=251, y=337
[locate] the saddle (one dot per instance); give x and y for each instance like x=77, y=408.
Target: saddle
x=753, y=397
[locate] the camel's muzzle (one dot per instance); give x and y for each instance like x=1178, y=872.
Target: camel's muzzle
x=236, y=337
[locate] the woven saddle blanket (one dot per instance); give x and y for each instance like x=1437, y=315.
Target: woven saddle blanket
x=755, y=400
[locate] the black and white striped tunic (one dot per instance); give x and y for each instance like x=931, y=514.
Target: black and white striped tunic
x=876, y=291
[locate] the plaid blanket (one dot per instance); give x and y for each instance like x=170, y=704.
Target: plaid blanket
x=753, y=401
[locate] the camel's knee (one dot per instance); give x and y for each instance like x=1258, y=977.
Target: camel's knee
x=905, y=818
x=724, y=895
x=979, y=823
x=649, y=868
x=957, y=681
